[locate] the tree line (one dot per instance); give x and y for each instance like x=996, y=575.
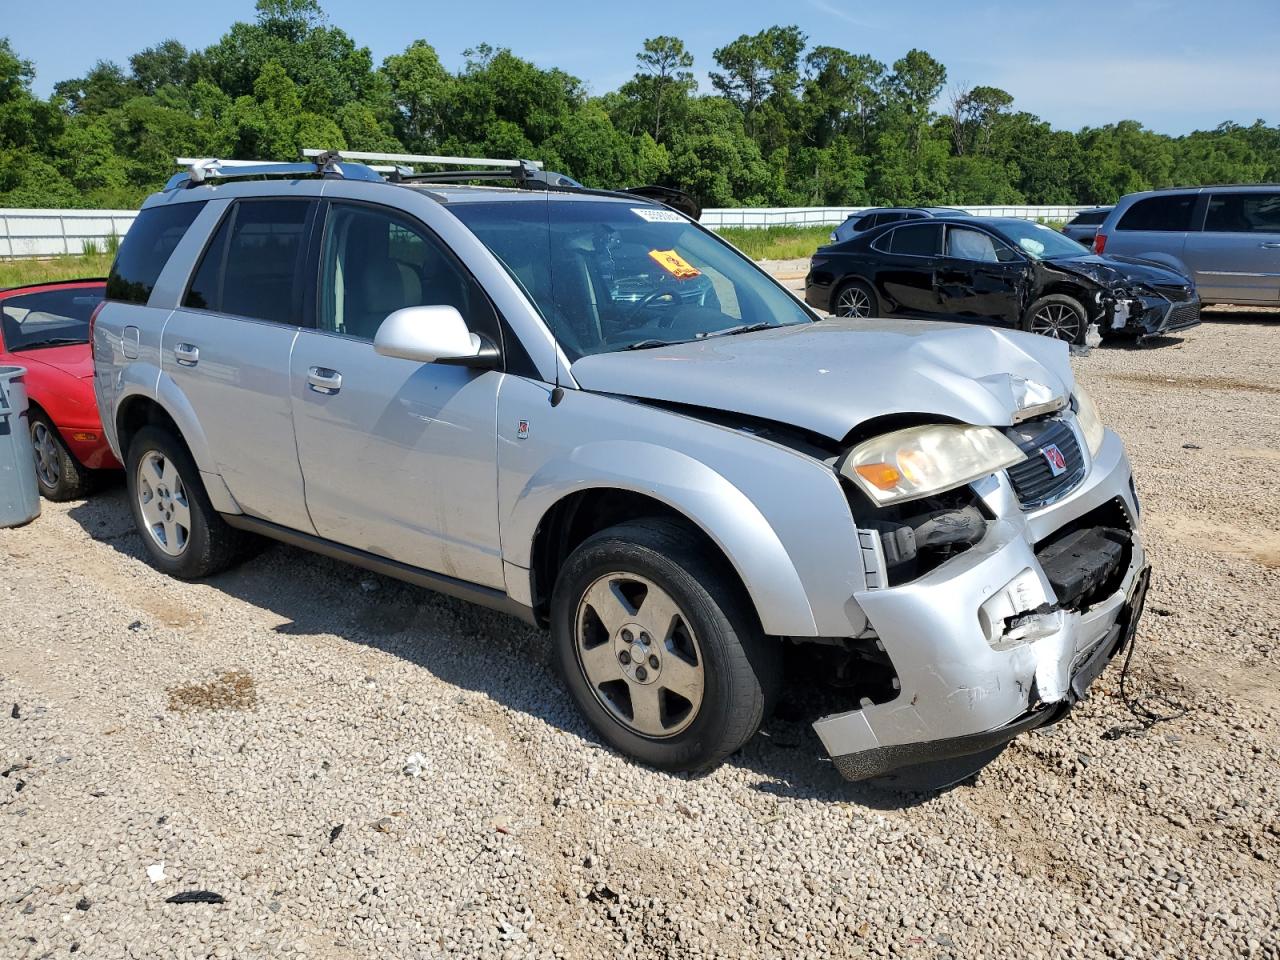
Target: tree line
x=787, y=123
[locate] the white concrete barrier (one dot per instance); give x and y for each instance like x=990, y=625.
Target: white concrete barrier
x=51, y=233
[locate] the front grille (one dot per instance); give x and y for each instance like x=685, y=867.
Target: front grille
x=1033, y=479
x=1175, y=292
x=1182, y=315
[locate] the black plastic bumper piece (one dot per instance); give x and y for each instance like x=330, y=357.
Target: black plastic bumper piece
x=879, y=761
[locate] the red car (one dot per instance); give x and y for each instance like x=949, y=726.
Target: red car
x=45, y=328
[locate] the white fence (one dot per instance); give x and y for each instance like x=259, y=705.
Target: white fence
x=822, y=216
x=50, y=233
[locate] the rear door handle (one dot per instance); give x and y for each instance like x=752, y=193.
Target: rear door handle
x=1270, y=246
x=187, y=354
x=324, y=380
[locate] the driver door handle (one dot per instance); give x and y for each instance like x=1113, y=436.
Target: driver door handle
x=323, y=380
x=1270, y=246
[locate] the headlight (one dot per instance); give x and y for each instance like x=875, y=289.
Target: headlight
x=913, y=463
x=1090, y=421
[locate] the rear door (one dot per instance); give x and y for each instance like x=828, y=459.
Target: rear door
x=908, y=256
x=227, y=348
x=1236, y=257
x=1155, y=226
x=979, y=277
x=399, y=456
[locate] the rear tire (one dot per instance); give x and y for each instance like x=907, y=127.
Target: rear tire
x=1057, y=316
x=855, y=298
x=59, y=475
x=712, y=675
x=182, y=533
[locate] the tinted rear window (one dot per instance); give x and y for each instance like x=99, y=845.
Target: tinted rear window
x=1170, y=213
x=146, y=249
x=1089, y=218
x=923, y=240
x=250, y=268
x=48, y=319
x=1243, y=213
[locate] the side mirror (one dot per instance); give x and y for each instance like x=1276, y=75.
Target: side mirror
x=433, y=335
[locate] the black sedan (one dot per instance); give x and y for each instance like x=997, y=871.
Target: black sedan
x=1000, y=271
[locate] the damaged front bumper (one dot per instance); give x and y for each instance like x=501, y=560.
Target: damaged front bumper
x=1149, y=314
x=981, y=647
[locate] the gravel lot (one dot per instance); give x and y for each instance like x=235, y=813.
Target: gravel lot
x=250, y=733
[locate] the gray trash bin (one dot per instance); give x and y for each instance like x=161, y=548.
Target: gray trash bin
x=19, y=495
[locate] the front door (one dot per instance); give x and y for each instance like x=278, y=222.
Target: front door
x=980, y=278
x=227, y=349
x=398, y=456
x=1236, y=257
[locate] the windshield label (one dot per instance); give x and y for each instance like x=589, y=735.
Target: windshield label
x=674, y=264
x=654, y=215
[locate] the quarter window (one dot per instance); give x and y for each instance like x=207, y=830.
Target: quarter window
x=1243, y=213
x=376, y=262
x=146, y=249
x=252, y=266
x=917, y=240
x=1171, y=213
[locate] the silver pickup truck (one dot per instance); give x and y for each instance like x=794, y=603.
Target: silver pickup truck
x=582, y=408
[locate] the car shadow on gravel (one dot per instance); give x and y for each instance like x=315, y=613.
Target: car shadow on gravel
x=480, y=650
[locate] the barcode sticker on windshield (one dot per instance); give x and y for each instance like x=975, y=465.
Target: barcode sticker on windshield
x=654, y=215
x=674, y=264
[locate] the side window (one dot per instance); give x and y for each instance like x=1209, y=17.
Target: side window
x=917, y=240
x=883, y=218
x=970, y=245
x=375, y=262
x=251, y=267
x=1171, y=213
x=146, y=249
x=1243, y=213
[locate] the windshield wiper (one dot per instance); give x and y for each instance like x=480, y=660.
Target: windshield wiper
x=741, y=328
x=50, y=342
x=651, y=343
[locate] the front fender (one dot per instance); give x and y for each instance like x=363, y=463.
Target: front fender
x=693, y=489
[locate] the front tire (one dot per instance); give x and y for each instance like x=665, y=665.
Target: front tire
x=183, y=535
x=660, y=647
x=59, y=474
x=1057, y=316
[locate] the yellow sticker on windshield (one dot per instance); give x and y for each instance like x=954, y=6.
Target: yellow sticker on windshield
x=674, y=264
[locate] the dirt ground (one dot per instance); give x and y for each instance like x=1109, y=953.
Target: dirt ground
x=247, y=736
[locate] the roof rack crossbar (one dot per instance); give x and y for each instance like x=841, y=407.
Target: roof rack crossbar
x=411, y=158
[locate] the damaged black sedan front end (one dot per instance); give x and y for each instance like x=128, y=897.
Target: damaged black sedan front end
x=1134, y=297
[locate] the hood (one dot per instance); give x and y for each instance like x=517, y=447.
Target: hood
x=828, y=377
x=1111, y=270
x=75, y=359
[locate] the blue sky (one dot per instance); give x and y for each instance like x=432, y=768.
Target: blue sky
x=1176, y=65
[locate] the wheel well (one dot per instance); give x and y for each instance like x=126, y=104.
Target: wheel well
x=576, y=517
x=1075, y=292
x=139, y=412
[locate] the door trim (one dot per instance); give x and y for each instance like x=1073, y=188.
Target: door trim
x=438, y=582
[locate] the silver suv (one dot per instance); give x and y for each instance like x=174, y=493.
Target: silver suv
x=1226, y=239
x=583, y=409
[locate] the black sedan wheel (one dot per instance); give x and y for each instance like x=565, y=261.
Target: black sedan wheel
x=855, y=299
x=1057, y=316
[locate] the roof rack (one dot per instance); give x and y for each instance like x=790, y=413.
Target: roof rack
x=524, y=173
x=327, y=164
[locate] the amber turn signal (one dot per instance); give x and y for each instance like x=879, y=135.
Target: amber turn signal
x=880, y=474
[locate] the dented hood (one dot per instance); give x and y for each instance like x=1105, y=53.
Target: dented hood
x=1111, y=270
x=828, y=377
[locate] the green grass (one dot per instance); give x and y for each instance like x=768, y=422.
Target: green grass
x=17, y=273
x=777, y=243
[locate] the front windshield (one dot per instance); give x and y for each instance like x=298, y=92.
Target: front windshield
x=49, y=318
x=616, y=276
x=1038, y=241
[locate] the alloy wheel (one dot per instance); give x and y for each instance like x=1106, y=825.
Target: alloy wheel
x=639, y=655
x=853, y=302
x=1057, y=320
x=162, y=498
x=48, y=461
